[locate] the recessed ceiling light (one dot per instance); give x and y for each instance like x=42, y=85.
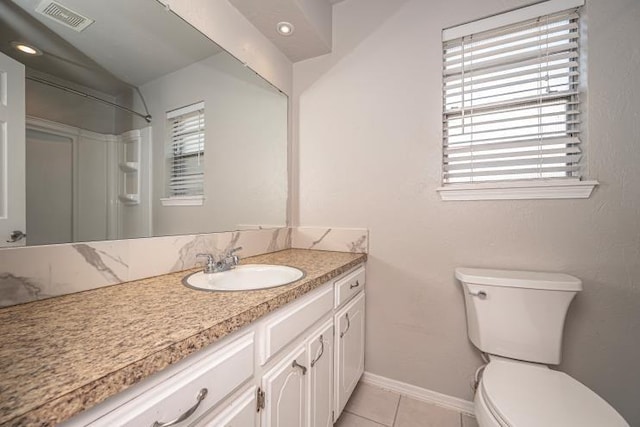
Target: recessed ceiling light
x=285, y=28
x=25, y=48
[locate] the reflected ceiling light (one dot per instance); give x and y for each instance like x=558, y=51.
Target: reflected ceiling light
x=285, y=28
x=25, y=48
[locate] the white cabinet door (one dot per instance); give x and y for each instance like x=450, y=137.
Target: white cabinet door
x=349, y=351
x=240, y=413
x=285, y=388
x=12, y=153
x=320, y=348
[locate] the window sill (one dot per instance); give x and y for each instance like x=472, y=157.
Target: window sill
x=183, y=201
x=518, y=190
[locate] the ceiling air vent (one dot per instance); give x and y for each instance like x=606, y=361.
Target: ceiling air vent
x=63, y=15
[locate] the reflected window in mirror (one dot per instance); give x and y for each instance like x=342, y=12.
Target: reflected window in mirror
x=186, y=139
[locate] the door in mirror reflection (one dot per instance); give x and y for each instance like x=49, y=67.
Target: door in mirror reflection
x=49, y=184
x=12, y=146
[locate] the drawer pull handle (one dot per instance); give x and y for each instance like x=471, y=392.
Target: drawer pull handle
x=348, y=325
x=295, y=364
x=187, y=414
x=351, y=286
x=321, y=352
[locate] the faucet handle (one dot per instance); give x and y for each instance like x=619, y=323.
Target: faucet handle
x=208, y=256
x=211, y=264
x=232, y=259
x=234, y=250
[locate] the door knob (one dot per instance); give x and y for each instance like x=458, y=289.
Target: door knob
x=15, y=236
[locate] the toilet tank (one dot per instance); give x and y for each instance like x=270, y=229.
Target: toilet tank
x=517, y=314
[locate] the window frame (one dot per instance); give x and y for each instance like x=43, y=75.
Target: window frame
x=537, y=188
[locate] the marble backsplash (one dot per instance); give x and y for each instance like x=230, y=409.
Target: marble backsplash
x=38, y=272
x=331, y=239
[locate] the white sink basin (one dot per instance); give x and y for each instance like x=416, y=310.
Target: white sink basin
x=244, y=278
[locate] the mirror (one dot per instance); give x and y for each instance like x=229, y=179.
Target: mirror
x=137, y=125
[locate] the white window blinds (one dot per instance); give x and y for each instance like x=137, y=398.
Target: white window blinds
x=511, y=102
x=186, y=151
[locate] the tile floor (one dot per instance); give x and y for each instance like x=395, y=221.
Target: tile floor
x=371, y=406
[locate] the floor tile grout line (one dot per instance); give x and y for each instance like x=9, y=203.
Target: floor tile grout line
x=368, y=419
x=395, y=417
x=400, y=396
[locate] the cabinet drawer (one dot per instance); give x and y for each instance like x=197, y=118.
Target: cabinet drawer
x=220, y=373
x=283, y=327
x=349, y=285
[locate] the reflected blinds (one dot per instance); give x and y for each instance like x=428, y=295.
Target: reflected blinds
x=511, y=102
x=186, y=151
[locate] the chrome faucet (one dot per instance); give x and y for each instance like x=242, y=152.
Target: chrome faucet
x=227, y=262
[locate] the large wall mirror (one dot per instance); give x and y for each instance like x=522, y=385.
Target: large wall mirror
x=136, y=125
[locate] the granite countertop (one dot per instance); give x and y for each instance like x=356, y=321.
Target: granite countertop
x=63, y=355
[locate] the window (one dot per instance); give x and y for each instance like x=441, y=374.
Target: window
x=185, y=152
x=511, y=95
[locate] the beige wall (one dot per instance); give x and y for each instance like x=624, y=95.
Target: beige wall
x=369, y=156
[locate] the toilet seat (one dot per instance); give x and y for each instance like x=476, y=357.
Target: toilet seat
x=521, y=394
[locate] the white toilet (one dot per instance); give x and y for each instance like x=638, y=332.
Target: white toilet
x=517, y=318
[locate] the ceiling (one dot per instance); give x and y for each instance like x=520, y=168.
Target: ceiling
x=130, y=42
x=133, y=42
x=311, y=19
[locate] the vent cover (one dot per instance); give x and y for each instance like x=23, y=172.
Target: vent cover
x=63, y=15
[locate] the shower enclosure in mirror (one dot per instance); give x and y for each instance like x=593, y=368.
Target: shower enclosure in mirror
x=121, y=121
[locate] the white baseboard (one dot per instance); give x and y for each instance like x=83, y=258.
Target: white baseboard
x=419, y=393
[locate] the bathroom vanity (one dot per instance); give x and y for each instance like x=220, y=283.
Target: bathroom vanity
x=284, y=356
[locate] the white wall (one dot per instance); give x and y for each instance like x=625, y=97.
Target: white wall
x=369, y=156
x=245, y=161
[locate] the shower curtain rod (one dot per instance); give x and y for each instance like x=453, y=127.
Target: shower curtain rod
x=147, y=116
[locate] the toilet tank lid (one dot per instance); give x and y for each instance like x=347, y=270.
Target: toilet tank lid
x=519, y=279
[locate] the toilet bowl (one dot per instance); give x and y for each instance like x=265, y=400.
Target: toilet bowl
x=517, y=319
